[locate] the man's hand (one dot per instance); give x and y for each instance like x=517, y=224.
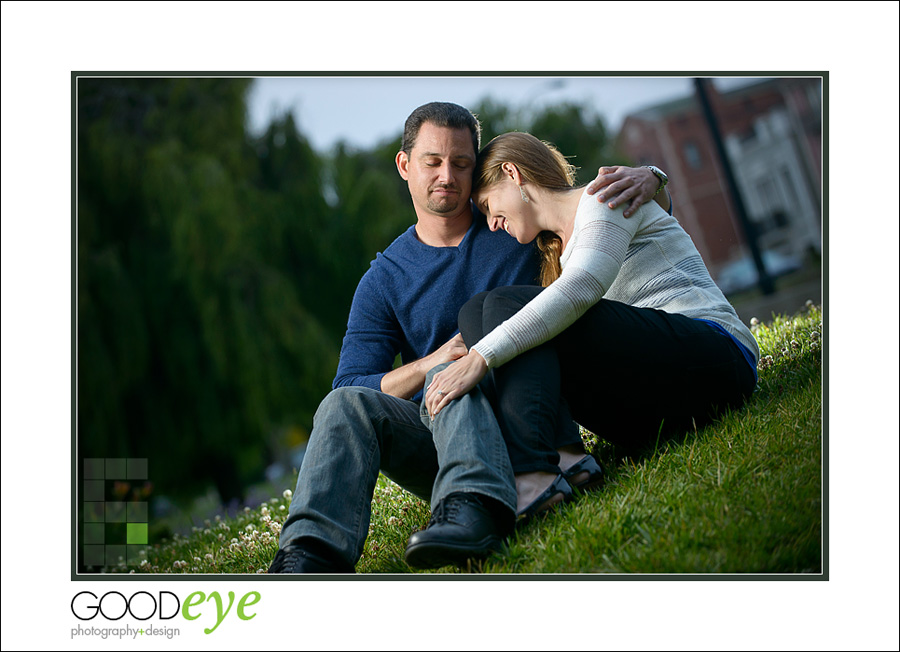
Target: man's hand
x=454, y=381
x=620, y=184
x=452, y=350
x=406, y=381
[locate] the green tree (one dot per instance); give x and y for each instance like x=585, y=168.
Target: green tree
x=497, y=118
x=371, y=210
x=194, y=343
x=580, y=134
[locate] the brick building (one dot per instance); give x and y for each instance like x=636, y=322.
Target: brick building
x=773, y=135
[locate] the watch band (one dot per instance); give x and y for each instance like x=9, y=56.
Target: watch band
x=663, y=179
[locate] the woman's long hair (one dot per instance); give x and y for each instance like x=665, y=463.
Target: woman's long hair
x=539, y=163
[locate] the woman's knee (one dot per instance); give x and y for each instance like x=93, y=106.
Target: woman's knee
x=470, y=319
x=502, y=303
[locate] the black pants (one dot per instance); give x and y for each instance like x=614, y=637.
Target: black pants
x=621, y=372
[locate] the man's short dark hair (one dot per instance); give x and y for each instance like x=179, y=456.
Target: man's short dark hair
x=440, y=114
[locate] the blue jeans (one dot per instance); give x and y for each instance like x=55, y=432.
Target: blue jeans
x=358, y=432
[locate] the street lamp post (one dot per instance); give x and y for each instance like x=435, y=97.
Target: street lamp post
x=765, y=281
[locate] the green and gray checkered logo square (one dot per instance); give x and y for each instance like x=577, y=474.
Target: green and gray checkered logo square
x=112, y=530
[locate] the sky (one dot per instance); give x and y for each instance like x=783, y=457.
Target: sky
x=364, y=111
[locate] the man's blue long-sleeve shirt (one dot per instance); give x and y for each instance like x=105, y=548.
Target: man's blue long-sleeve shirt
x=408, y=301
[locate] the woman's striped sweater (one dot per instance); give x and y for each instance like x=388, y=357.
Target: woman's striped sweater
x=646, y=261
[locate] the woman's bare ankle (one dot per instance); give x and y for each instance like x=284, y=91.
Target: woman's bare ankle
x=569, y=456
x=529, y=486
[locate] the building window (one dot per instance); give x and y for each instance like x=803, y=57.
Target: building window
x=692, y=156
x=788, y=181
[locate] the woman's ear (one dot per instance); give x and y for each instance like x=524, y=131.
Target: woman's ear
x=512, y=172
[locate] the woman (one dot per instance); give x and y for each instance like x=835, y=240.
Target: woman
x=629, y=329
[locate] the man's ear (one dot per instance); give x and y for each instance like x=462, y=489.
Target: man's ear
x=402, y=161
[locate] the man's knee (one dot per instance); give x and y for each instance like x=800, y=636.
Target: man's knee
x=347, y=404
x=434, y=370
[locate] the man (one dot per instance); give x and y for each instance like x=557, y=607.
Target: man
x=408, y=302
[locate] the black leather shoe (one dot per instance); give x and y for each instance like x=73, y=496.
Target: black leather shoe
x=297, y=558
x=461, y=528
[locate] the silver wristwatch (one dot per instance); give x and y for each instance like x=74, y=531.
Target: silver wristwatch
x=663, y=179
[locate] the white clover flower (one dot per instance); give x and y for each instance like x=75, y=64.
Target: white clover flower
x=144, y=562
x=250, y=527
x=264, y=509
x=206, y=531
x=287, y=494
x=220, y=536
x=197, y=559
x=260, y=570
x=281, y=508
x=233, y=541
x=246, y=510
x=218, y=518
x=208, y=556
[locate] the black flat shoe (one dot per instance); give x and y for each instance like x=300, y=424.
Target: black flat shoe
x=461, y=528
x=558, y=486
x=595, y=473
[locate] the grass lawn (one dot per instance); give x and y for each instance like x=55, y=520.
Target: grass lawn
x=743, y=495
